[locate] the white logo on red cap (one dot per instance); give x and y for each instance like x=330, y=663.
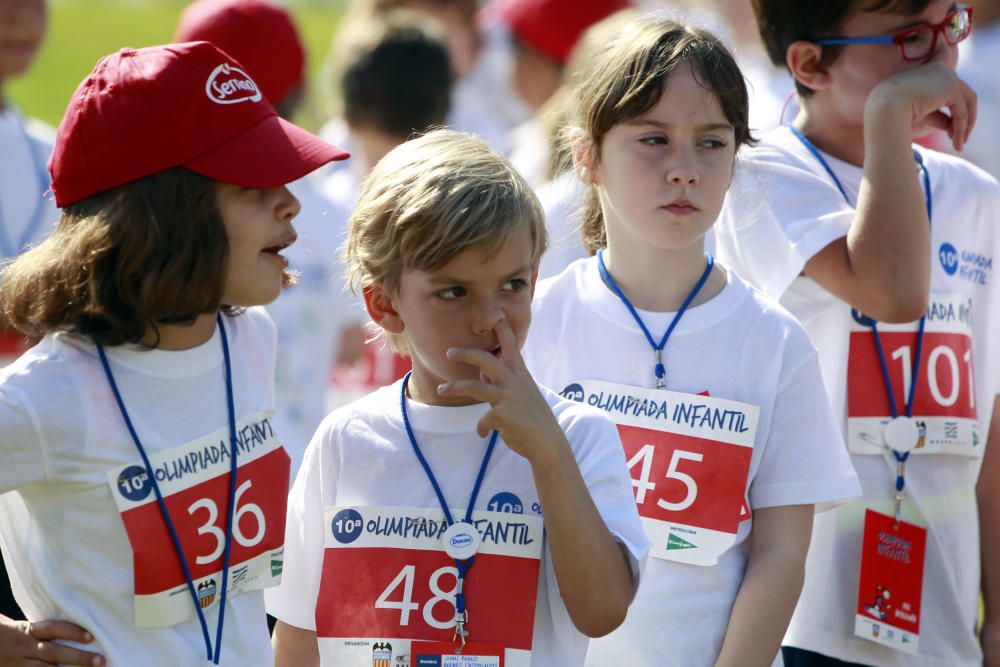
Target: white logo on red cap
x=229, y=85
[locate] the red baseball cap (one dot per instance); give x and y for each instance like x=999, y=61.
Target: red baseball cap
x=257, y=33
x=180, y=105
x=552, y=27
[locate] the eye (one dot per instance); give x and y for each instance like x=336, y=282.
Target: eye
x=654, y=140
x=713, y=143
x=515, y=285
x=450, y=293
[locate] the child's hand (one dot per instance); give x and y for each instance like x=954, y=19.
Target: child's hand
x=24, y=643
x=520, y=413
x=920, y=94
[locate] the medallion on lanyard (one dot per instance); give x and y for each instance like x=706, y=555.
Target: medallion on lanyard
x=658, y=369
x=461, y=540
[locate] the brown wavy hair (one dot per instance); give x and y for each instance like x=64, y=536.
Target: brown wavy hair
x=118, y=264
x=626, y=80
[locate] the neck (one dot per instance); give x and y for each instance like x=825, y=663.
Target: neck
x=661, y=280
x=182, y=336
x=845, y=143
x=422, y=388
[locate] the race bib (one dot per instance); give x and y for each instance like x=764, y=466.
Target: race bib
x=891, y=582
x=944, y=403
x=387, y=583
x=689, y=458
x=194, y=481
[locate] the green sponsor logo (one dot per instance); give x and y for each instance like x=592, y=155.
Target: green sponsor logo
x=276, y=565
x=674, y=542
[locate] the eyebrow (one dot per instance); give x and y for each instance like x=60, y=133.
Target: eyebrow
x=915, y=24
x=451, y=280
x=708, y=127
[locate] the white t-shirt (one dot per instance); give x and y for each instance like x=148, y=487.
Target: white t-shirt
x=739, y=346
x=782, y=209
x=310, y=317
x=28, y=211
x=562, y=200
x=361, y=456
x=64, y=539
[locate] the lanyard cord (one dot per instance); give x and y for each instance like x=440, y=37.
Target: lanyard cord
x=7, y=248
x=163, y=506
x=883, y=364
x=657, y=347
x=463, y=566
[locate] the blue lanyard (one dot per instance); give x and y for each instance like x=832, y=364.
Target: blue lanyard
x=883, y=364
x=661, y=373
x=7, y=248
x=163, y=506
x=466, y=565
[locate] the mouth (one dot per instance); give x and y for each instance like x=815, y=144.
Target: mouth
x=274, y=252
x=496, y=351
x=680, y=207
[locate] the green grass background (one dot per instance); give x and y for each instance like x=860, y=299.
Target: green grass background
x=82, y=31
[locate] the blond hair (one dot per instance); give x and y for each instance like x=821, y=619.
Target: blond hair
x=430, y=199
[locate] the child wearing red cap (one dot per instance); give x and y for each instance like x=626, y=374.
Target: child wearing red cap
x=143, y=489
x=318, y=313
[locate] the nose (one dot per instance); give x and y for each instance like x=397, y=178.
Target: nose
x=485, y=316
x=288, y=205
x=682, y=170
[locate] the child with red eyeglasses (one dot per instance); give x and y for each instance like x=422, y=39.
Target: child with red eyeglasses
x=884, y=251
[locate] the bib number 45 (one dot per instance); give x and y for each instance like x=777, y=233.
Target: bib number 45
x=643, y=484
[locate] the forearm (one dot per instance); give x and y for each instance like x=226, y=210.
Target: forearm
x=770, y=589
x=591, y=567
x=889, y=240
x=294, y=647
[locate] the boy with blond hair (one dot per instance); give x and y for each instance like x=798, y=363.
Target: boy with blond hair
x=463, y=509
x=884, y=251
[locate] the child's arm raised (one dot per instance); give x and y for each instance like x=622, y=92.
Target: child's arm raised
x=591, y=567
x=771, y=585
x=882, y=267
x=24, y=643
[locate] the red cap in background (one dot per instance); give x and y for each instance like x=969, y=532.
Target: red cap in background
x=259, y=34
x=180, y=105
x=552, y=27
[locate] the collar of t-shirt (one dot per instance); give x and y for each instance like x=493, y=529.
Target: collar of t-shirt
x=443, y=420
x=606, y=305
x=156, y=362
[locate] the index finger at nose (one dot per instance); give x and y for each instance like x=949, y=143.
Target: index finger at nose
x=509, y=349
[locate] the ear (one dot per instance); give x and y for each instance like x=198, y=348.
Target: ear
x=381, y=309
x=534, y=281
x=805, y=62
x=584, y=159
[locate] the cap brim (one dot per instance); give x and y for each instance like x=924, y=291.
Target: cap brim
x=273, y=152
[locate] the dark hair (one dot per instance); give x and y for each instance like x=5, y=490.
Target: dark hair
x=396, y=76
x=783, y=22
x=626, y=80
x=151, y=252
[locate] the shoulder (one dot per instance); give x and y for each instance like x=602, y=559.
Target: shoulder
x=765, y=323
x=252, y=325
x=372, y=413
x=52, y=373
x=582, y=423
x=564, y=285
x=42, y=135
x=951, y=173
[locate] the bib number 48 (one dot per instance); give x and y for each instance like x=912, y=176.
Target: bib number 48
x=406, y=605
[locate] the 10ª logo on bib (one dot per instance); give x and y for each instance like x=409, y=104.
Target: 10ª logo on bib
x=194, y=481
x=689, y=457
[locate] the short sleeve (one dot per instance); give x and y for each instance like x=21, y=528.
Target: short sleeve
x=602, y=464
x=22, y=443
x=294, y=600
x=777, y=215
x=804, y=460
